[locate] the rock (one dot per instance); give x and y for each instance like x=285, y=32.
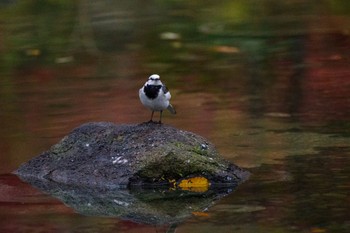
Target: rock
x=119, y=156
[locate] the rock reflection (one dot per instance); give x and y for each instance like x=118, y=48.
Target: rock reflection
x=157, y=206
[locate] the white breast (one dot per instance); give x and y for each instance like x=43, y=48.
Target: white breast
x=160, y=103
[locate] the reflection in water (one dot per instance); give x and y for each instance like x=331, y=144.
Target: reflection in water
x=320, y=183
x=266, y=81
x=148, y=206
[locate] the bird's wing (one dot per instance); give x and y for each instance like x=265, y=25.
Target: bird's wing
x=140, y=91
x=166, y=92
x=165, y=89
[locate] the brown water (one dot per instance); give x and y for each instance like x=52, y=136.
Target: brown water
x=266, y=81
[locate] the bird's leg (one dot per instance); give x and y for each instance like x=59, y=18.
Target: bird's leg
x=151, y=117
x=160, y=118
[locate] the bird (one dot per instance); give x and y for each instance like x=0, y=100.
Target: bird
x=156, y=96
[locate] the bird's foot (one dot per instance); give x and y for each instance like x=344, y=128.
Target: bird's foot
x=153, y=122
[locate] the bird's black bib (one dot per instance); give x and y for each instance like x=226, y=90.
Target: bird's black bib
x=152, y=91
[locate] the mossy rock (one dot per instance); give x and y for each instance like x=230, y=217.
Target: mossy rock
x=116, y=156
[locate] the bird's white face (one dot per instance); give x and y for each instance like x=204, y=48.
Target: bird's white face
x=154, y=80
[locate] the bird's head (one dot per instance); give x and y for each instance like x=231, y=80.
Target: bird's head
x=154, y=79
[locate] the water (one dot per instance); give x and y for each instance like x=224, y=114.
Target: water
x=266, y=81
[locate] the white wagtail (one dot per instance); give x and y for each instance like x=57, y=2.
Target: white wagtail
x=155, y=96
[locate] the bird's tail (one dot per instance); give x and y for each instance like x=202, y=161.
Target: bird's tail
x=171, y=109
